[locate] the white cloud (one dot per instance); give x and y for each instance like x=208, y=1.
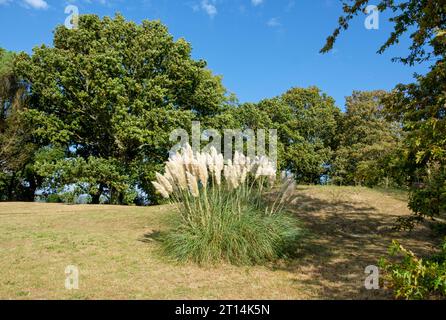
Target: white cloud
x=36, y=4
x=209, y=7
x=43, y=4
x=91, y=1
x=273, y=23
x=256, y=2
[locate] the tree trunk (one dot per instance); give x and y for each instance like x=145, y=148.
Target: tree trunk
x=11, y=188
x=95, y=198
x=31, y=191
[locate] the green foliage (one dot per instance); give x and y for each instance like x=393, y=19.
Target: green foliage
x=429, y=197
x=438, y=228
x=366, y=143
x=420, y=108
x=306, y=121
x=54, y=198
x=6, y=62
x=423, y=18
x=109, y=93
x=414, y=277
x=18, y=181
x=94, y=176
x=8, y=85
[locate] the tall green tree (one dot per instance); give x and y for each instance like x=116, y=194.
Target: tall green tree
x=109, y=93
x=8, y=84
x=18, y=179
x=420, y=107
x=306, y=120
x=367, y=142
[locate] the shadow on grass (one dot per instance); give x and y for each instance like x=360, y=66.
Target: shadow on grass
x=343, y=238
x=152, y=236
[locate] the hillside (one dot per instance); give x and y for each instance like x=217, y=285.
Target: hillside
x=115, y=249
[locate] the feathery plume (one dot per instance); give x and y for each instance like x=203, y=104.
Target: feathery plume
x=193, y=185
x=160, y=189
x=202, y=169
x=243, y=175
x=218, y=167
x=163, y=181
x=169, y=177
x=177, y=172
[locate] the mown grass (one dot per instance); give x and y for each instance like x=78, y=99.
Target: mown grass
x=117, y=251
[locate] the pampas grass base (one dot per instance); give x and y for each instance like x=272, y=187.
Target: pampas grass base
x=249, y=240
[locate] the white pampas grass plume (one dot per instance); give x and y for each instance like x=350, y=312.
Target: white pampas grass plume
x=202, y=169
x=176, y=170
x=188, y=158
x=210, y=162
x=194, y=167
x=237, y=158
x=265, y=168
x=193, y=185
x=213, y=152
x=227, y=172
x=169, y=177
x=230, y=174
x=160, y=189
x=243, y=175
x=176, y=157
x=234, y=178
x=218, y=177
x=162, y=180
x=218, y=161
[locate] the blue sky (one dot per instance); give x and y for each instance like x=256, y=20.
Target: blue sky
x=260, y=47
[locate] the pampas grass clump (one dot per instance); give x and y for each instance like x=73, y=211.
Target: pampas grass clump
x=224, y=214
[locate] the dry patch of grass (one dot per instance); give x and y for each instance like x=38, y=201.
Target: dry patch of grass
x=351, y=228
x=115, y=249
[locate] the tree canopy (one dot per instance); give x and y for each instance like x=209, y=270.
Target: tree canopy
x=305, y=120
x=108, y=94
x=419, y=107
x=366, y=140
x=423, y=19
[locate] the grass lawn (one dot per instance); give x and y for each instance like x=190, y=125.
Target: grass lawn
x=116, y=251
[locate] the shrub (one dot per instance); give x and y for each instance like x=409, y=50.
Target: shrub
x=414, y=277
x=428, y=199
x=54, y=198
x=224, y=214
